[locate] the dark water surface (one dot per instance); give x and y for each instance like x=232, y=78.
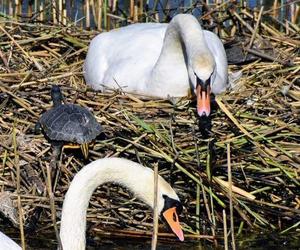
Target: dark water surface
x=249, y=242
x=255, y=241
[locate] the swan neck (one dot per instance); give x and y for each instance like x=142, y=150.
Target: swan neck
x=132, y=175
x=183, y=44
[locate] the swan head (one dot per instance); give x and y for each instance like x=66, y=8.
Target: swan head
x=204, y=71
x=172, y=207
x=168, y=203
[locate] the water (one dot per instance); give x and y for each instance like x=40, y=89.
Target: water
x=173, y=7
x=254, y=241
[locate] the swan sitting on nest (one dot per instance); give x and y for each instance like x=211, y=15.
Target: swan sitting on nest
x=159, y=60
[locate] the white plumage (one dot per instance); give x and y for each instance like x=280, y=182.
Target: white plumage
x=137, y=178
x=157, y=60
x=7, y=243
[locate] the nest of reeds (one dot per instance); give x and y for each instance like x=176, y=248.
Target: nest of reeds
x=247, y=154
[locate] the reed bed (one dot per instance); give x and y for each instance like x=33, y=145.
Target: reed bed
x=238, y=171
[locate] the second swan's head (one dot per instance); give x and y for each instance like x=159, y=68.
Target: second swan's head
x=170, y=211
x=204, y=71
x=168, y=203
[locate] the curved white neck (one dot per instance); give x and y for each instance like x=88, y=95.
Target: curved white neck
x=134, y=176
x=184, y=45
x=7, y=243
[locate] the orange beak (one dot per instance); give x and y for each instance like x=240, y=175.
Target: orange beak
x=203, y=101
x=172, y=218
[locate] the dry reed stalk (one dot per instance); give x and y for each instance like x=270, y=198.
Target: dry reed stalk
x=230, y=197
x=10, y=8
x=141, y=8
x=264, y=25
x=64, y=13
x=245, y=24
x=135, y=13
x=99, y=16
x=87, y=14
x=50, y=167
x=20, y=208
x=131, y=9
x=60, y=9
x=263, y=149
x=54, y=12
x=105, y=14
x=30, y=9
x=211, y=210
x=275, y=9
x=255, y=29
x=198, y=189
x=18, y=9
x=225, y=230
x=94, y=11
x=155, y=210
x=108, y=22
x=198, y=209
x=41, y=11
x=24, y=52
x=211, y=11
x=296, y=15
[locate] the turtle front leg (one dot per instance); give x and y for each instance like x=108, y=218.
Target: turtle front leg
x=54, y=159
x=56, y=151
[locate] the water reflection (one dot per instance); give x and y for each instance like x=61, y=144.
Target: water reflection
x=254, y=241
x=171, y=7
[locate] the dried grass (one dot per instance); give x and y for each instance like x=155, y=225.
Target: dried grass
x=258, y=119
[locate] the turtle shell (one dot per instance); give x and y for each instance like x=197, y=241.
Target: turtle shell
x=70, y=123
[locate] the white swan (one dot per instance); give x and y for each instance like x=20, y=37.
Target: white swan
x=7, y=243
x=159, y=60
x=134, y=176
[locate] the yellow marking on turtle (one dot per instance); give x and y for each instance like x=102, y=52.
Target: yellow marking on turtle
x=84, y=148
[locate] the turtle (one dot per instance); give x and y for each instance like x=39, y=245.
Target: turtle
x=68, y=123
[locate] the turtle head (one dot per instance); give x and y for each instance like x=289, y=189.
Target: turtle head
x=56, y=95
